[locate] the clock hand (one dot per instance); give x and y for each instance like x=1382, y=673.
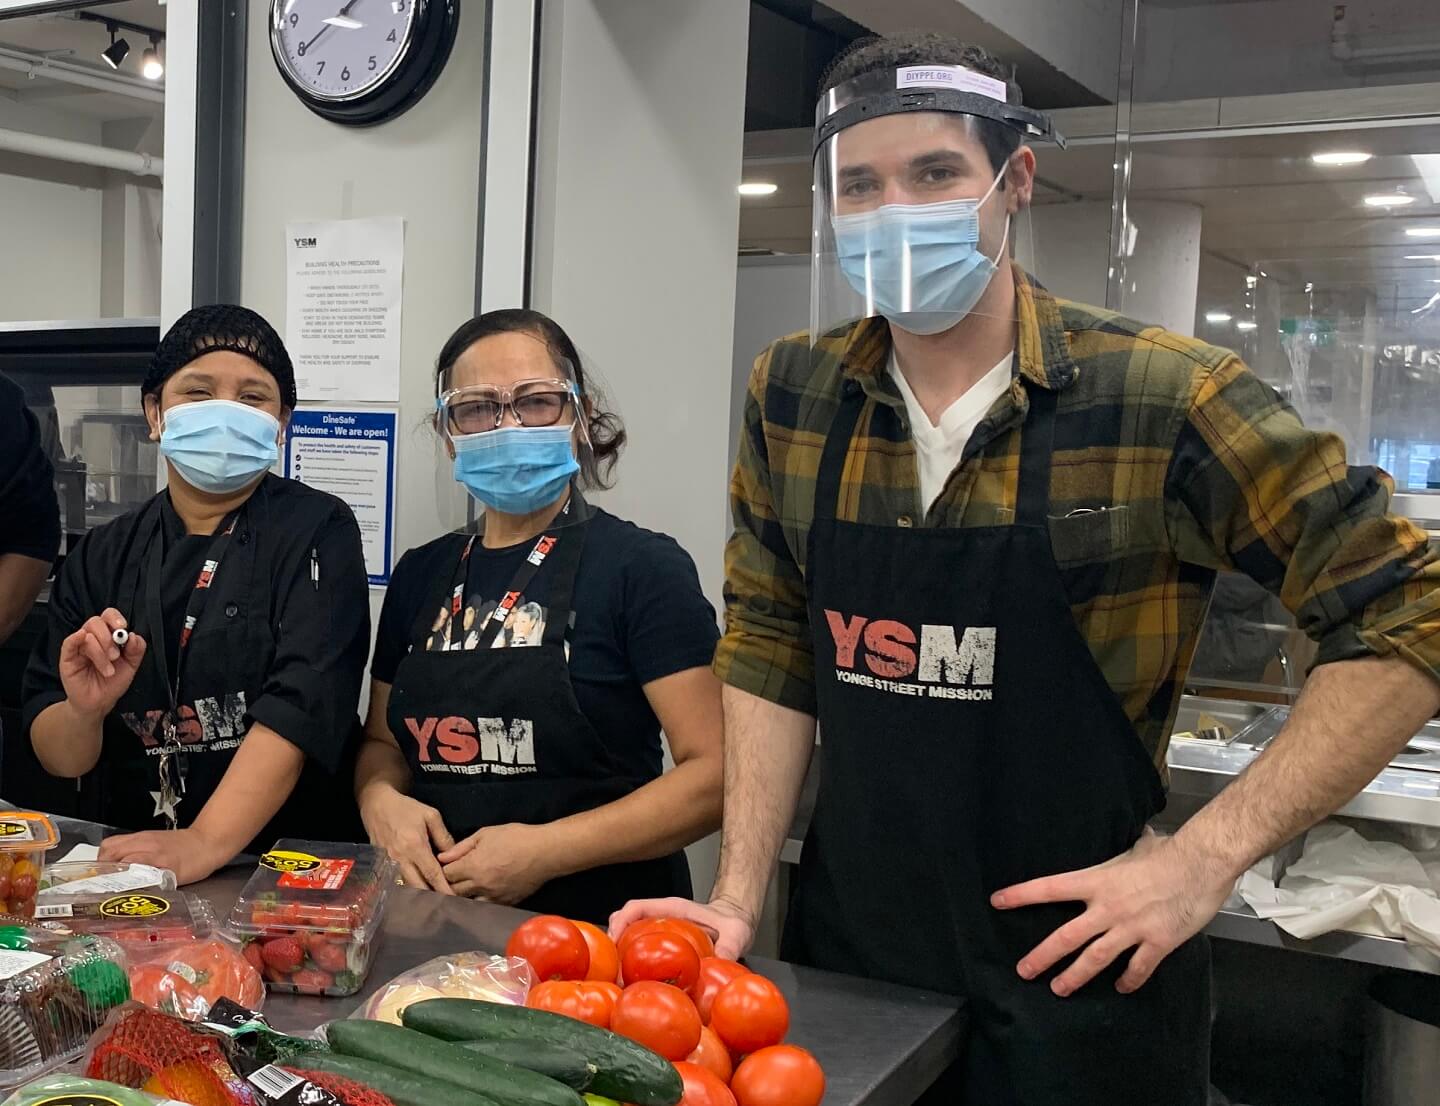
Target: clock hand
x=342, y=12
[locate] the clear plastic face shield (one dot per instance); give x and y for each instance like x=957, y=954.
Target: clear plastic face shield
x=511, y=425
x=913, y=219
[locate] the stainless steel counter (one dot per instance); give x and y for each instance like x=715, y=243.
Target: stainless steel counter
x=880, y=1045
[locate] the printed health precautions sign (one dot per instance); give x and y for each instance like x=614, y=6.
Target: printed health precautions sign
x=351, y=454
x=343, y=280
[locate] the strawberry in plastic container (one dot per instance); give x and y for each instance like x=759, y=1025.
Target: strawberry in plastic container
x=309, y=915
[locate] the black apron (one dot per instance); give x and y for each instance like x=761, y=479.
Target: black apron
x=496, y=736
x=969, y=741
x=227, y=655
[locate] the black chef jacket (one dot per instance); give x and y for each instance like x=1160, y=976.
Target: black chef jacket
x=296, y=643
x=29, y=512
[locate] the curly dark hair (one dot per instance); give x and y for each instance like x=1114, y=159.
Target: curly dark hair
x=881, y=52
x=607, y=432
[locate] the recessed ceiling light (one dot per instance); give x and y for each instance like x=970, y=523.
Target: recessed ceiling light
x=1336, y=158
x=1218, y=316
x=1422, y=257
x=1422, y=232
x=1244, y=324
x=1389, y=199
x=758, y=188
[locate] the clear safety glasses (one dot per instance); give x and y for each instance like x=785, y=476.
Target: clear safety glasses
x=478, y=409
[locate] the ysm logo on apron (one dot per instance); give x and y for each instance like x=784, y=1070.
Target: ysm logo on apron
x=970, y=742
x=494, y=736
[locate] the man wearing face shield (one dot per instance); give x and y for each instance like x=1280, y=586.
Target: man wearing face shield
x=976, y=528
x=204, y=653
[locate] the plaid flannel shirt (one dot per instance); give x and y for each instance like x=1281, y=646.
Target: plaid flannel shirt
x=1183, y=460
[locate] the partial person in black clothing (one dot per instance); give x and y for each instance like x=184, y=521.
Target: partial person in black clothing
x=29, y=512
x=522, y=674
x=204, y=654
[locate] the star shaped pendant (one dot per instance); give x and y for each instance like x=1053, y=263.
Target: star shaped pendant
x=165, y=804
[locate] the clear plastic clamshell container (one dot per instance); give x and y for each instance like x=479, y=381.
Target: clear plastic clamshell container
x=89, y=877
x=55, y=991
x=313, y=910
x=25, y=838
x=140, y=917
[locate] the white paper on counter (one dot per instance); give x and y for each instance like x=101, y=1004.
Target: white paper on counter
x=84, y=853
x=343, y=279
x=1346, y=882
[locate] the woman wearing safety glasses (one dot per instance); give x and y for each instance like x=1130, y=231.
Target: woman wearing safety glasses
x=523, y=672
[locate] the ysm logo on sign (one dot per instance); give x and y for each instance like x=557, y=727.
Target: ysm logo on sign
x=486, y=746
x=945, y=664
x=306, y=243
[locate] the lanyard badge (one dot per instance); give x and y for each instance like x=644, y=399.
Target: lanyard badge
x=174, y=763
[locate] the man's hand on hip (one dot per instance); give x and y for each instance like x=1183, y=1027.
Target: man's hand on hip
x=1152, y=899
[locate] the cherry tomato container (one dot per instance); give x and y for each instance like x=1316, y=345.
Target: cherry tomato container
x=310, y=915
x=25, y=838
x=89, y=877
x=129, y=917
x=55, y=991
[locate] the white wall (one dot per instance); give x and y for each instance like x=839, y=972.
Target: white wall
x=642, y=109
x=51, y=235
x=637, y=217
x=423, y=166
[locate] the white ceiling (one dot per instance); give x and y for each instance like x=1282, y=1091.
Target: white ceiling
x=78, y=42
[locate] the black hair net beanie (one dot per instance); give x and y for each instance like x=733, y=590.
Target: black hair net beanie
x=221, y=326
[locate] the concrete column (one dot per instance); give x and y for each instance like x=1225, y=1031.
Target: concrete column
x=1069, y=252
x=636, y=224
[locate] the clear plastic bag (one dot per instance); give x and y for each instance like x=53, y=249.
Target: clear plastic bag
x=187, y=978
x=472, y=975
x=54, y=1090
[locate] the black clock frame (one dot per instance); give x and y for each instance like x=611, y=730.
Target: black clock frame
x=436, y=23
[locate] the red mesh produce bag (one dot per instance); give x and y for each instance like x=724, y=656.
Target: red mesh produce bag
x=160, y=1054
x=346, y=1090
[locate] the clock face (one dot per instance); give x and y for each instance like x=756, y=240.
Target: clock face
x=340, y=50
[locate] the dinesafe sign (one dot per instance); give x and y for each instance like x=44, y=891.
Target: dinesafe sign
x=935, y=662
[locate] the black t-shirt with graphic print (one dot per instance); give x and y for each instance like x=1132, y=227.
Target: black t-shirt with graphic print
x=639, y=615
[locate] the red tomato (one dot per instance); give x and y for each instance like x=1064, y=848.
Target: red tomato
x=574, y=1000
x=666, y=957
x=553, y=946
x=658, y=1016
x=782, y=1075
x=612, y=991
x=698, y=938
x=702, y=1088
x=749, y=1014
x=714, y=974
x=712, y=1054
x=604, y=959
x=704, y=946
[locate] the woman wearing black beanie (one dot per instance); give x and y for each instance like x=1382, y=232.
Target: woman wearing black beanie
x=204, y=653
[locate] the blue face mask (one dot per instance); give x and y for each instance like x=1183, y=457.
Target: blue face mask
x=516, y=469
x=918, y=265
x=218, y=446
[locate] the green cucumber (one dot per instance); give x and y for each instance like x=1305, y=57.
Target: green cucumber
x=403, y=1088
x=556, y=1061
x=415, y=1052
x=624, y=1070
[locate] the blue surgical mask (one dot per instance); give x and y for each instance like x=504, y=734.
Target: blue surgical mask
x=516, y=469
x=918, y=265
x=218, y=446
